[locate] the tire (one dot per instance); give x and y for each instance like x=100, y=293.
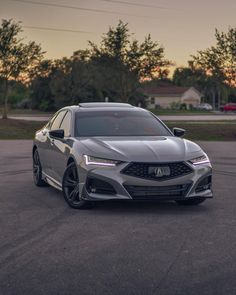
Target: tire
x=70, y=188
x=37, y=170
x=190, y=202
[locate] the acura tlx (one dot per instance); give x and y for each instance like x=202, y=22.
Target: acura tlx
x=106, y=151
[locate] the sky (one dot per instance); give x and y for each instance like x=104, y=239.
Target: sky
x=181, y=26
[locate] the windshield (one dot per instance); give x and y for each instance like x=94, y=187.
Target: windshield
x=118, y=123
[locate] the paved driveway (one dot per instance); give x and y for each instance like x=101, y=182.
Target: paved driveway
x=116, y=248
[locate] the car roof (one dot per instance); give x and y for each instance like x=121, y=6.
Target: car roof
x=104, y=105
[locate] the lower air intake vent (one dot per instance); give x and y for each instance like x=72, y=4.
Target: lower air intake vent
x=204, y=184
x=171, y=192
x=98, y=186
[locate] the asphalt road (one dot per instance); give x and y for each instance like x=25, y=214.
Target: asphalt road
x=218, y=117
x=115, y=248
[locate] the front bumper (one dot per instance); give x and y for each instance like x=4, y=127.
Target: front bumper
x=134, y=188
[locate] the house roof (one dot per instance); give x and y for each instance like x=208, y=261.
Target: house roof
x=164, y=90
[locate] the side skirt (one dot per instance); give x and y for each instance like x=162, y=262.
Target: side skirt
x=51, y=181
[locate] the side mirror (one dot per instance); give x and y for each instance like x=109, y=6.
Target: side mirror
x=58, y=133
x=179, y=132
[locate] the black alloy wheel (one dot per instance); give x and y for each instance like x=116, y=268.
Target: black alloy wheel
x=37, y=170
x=70, y=187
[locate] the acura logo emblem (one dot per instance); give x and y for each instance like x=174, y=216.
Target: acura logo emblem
x=160, y=171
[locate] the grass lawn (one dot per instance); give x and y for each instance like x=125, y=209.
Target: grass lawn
x=219, y=131
x=210, y=131
x=18, y=129
x=26, y=112
x=166, y=112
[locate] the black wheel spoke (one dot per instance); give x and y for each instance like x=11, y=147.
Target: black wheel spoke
x=74, y=172
x=36, y=158
x=73, y=195
x=71, y=188
x=71, y=185
x=37, y=170
x=36, y=165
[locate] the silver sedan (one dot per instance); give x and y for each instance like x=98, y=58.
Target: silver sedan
x=105, y=151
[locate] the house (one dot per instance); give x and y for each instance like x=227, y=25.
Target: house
x=167, y=96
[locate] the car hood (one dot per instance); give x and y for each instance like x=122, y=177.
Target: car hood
x=141, y=149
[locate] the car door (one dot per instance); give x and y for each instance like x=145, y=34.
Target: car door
x=61, y=149
x=44, y=145
x=49, y=153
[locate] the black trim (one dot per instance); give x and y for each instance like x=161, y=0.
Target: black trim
x=98, y=186
x=171, y=192
x=204, y=184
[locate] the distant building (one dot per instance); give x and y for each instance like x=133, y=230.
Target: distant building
x=166, y=96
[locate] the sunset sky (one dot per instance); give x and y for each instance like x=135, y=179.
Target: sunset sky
x=181, y=26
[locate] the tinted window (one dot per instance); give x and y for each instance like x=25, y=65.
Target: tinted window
x=118, y=123
x=49, y=124
x=65, y=125
x=57, y=121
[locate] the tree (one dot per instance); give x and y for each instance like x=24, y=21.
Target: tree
x=40, y=85
x=17, y=59
x=121, y=63
x=219, y=62
x=82, y=79
x=113, y=68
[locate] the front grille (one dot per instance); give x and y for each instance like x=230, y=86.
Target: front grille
x=146, y=170
x=171, y=192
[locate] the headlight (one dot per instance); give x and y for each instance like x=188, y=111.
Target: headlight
x=89, y=160
x=200, y=160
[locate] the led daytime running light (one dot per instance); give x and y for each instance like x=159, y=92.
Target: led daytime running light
x=89, y=160
x=200, y=160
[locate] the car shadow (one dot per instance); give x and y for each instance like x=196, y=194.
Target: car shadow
x=135, y=207
x=149, y=207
